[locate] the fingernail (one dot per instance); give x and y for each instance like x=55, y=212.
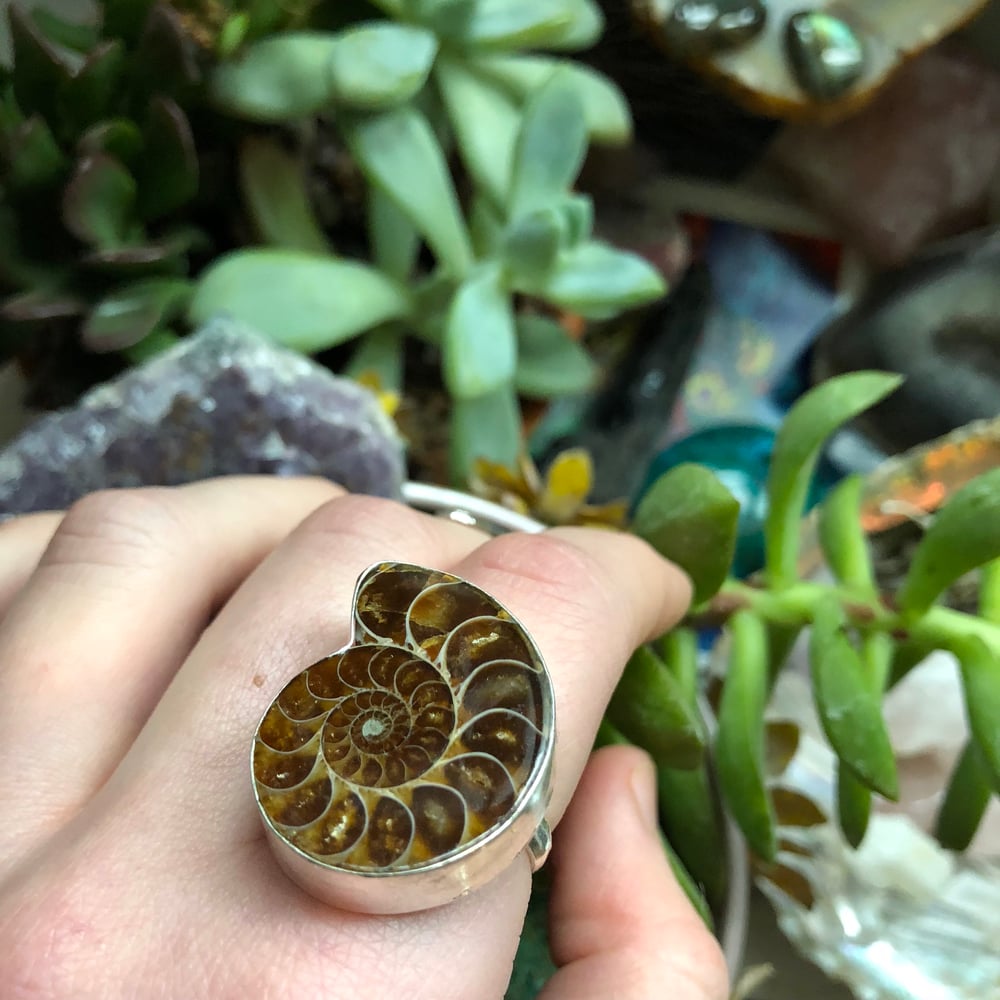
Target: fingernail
x=643, y=783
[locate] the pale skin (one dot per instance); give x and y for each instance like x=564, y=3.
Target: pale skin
x=142, y=635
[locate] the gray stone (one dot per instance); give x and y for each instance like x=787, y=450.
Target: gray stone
x=223, y=402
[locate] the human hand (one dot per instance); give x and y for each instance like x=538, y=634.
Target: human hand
x=143, y=634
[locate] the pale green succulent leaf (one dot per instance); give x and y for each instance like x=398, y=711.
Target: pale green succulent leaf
x=595, y=279
x=484, y=427
x=550, y=362
x=305, y=301
x=605, y=107
x=551, y=145
x=379, y=65
x=485, y=122
x=278, y=79
x=479, y=346
x=274, y=191
x=399, y=153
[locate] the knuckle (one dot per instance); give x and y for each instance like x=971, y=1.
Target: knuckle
x=569, y=579
x=373, y=523
x=115, y=528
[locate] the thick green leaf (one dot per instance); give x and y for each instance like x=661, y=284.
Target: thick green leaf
x=981, y=683
x=801, y=437
x=578, y=211
x=969, y=793
x=989, y=592
x=486, y=227
x=274, y=191
x=531, y=245
x=118, y=137
x=168, y=170
x=964, y=534
x=232, y=35
x=854, y=805
x=98, y=202
x=605, y=107
x=550, y=148
x=583, y=30
x=133, y=312
x=125, y=18
x=739, y=747
x=379, y=353
x=484, y=427
x=850, y=712
x=485, y=123
x=394, y=241
x=515, y=24
x=679, y=649
x=844, y=542
x=34, y=159
x=650, y=709
x=149, y=347
x=96, y=86
x=549, y=362
x=166, y=59
x=423, y=191
x=596, y=280
x=305, y=301
x=479, y=346
x=277, y=79
x=75, y=35
x=378, y=65
x=689, y=517
x=40, y=77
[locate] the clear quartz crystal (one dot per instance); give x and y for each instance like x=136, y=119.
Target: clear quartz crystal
x=900, y=918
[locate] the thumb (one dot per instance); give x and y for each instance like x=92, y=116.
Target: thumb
x=619, y=923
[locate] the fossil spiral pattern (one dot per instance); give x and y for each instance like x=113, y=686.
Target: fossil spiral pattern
x=414, y=740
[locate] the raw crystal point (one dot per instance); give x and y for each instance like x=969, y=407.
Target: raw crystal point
x=225, y=401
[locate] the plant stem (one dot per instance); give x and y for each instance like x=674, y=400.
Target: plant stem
x=795, y=605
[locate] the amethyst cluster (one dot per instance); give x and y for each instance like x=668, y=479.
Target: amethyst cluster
x=225, y=401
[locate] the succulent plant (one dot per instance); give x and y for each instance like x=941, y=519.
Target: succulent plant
x=125, y=145
x=99, y=171
x=861, y=643
x=508, y=247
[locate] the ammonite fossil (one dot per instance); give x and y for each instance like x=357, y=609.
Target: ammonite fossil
x=412, y=764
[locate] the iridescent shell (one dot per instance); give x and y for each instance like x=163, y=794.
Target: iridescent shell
x=402, y=749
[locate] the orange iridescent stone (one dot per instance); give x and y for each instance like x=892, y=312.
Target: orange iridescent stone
x=420, y=737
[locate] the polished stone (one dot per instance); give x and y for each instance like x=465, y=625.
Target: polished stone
x=826, y=54
x=703, y=27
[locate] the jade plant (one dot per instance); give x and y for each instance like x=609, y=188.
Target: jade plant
x=182, y=159
x=861, y=641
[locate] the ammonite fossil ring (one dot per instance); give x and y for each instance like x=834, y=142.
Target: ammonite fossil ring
x=412, y=765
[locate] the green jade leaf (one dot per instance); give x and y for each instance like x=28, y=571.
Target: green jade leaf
x=479, y=346
x=849, y=710
x=98, y=202
x=304, y=301
x=34, y=159
x=531, y=245
x=739, y=747
x=274, y=190
x=39, y=76
x=277, y=79
x=133, y=312
x=378, y=65
x=966, y=799
x=690, y=518
x=650, y=709
x=168, y=171
x=96, y=86
x=394, y=241
x=964, y=535
x=981, y=683
x=809, y=423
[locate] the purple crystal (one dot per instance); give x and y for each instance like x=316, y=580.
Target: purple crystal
x=224, y=402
